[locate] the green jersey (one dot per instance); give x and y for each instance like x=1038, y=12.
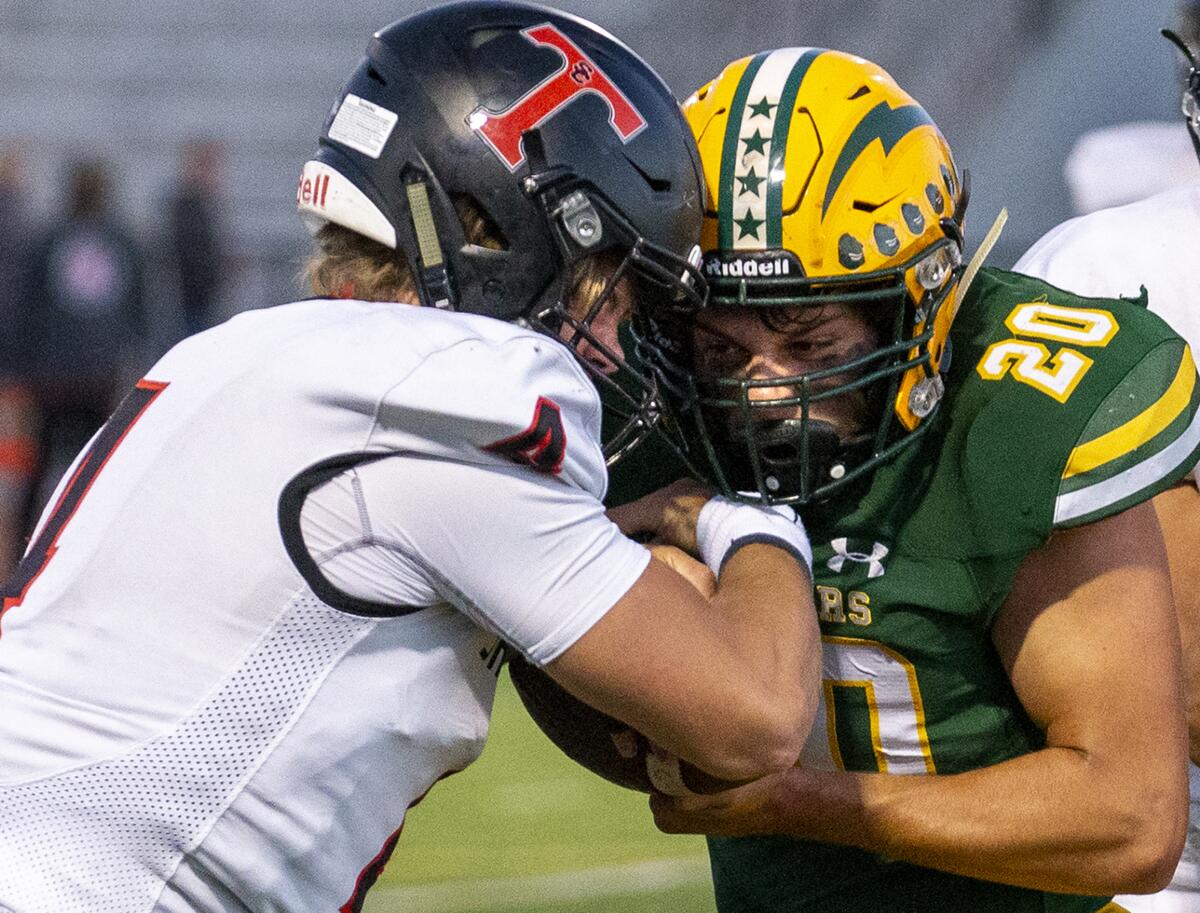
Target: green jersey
x=1058, y=411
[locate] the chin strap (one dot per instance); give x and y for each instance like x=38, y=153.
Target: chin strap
x=433, y=277
x=981, y=254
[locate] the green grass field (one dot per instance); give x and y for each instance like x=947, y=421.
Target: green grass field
x=526, y=829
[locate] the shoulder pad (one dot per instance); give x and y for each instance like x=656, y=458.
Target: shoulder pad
x=1067, y=409
x=499, y=392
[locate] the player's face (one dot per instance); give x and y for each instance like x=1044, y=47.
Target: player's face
x=604, y=318
x=737, y=343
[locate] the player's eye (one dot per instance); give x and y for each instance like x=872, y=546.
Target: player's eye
x=807, y=345
x=716, y=355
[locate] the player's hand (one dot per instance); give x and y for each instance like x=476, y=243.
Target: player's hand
x=694, y=572
x=742, y=812
x=668, y=515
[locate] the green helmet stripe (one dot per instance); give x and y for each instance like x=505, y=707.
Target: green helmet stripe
x=729, y=150
x=883, y=123
x=783, y=123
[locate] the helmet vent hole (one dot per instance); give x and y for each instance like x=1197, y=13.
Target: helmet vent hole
x=479, y=228
x=859, y=92
x=375, y=75
x=658, y=185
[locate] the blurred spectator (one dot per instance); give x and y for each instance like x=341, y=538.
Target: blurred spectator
x=85, y=322
x=17, y=417
x=14, y=241
x=195, y=232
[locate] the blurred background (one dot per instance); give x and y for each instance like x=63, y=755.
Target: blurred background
x=227, y=97
x=149, y=151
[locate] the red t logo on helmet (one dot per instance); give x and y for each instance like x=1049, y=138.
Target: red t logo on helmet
x=577, y=76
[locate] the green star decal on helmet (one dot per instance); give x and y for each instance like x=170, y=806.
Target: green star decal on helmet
x=755, y=143
x=750, y=182
x=748, y=225
x=755, y=138
x=762, y=107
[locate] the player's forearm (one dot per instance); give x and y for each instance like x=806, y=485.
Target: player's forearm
x=728, y=687
x=764, y=597
x=1053, y=820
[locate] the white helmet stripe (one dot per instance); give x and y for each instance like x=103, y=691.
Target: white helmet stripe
x=325, y=195
x=752, y=162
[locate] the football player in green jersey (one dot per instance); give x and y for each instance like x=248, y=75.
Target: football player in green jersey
x=1002, y=724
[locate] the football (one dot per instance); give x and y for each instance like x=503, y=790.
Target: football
x=604, y=745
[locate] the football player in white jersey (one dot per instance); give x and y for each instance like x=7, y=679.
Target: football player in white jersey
x=1150, y=248
x=265, y=609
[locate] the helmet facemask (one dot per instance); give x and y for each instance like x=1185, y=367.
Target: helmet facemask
x=1191, y=93
x=815, y=432
x=604, y=260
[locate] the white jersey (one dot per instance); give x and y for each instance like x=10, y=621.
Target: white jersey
x=1111, y=252
x=1153, y=156
x=262, y=614
x=1115, y=252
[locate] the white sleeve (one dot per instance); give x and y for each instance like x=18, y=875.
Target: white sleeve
x=1087, y=255
x=524, y=555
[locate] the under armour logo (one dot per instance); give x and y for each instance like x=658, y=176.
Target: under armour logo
x=842, y=554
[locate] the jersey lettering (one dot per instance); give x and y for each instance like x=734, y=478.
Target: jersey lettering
x=542, y=445
x=1056, y=374
x=97, y=456
x=874, y=718
x=577, y=76
x=836, y=607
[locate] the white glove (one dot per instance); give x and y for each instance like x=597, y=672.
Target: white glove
x=725, y=525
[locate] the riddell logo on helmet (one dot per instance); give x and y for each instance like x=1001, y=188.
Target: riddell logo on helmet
x=748, y=268
x=313, y=189
x=577, y=76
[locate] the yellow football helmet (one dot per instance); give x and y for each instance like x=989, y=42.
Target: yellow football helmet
x=830, y=184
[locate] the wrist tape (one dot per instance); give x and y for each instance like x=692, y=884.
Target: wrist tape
x=725, y=525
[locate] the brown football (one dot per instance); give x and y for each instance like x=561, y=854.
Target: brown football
x=604, y=745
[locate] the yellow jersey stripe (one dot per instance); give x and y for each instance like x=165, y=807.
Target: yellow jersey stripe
x=1145, y=475
x=1139, y=429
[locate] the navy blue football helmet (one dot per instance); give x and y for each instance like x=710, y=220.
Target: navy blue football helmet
x=561, y=139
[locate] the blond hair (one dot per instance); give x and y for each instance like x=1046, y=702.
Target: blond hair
x=346, y=264
x=589, y=277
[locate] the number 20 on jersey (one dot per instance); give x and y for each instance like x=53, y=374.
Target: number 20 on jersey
x=1055, y=374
